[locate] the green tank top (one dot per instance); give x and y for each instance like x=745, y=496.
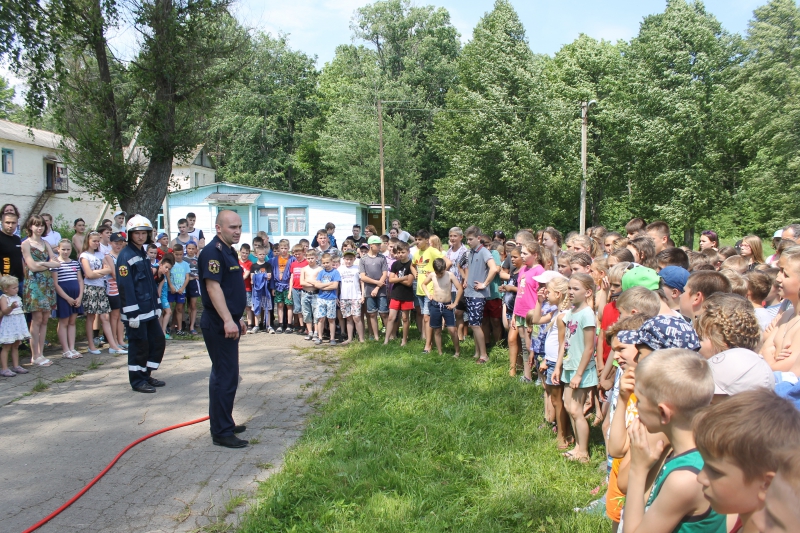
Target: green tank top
x=708, y=522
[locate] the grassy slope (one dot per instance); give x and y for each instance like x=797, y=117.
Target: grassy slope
x=413, y=442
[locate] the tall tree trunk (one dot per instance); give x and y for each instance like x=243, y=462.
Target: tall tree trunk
x=688, y=236
x=154, y=185
x=151, y=190
x=108, y=103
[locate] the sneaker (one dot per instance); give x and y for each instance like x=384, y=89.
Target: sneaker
x=288, y=330
x=596, y=507
x=309, y=337
x=254, y=329
x=97, y=341
x=7, y=373
x=333, y=342
x=279, y=330
x=93, y=352
x=271, y=331
x=523, y=379
x=180, y=333
x=317, y=341
x=166, y=336
x=120, y=351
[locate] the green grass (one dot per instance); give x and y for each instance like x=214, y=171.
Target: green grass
x=40, y=386
x=413, y=442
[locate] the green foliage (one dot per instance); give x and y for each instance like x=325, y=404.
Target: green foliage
x=421, y=442
x=7, y=106
x=256, y=127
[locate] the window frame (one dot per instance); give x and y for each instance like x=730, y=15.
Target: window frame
x=278, y=221
x=286, y=231
x=3, y=153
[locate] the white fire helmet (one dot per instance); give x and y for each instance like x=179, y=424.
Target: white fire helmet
x=140, y=223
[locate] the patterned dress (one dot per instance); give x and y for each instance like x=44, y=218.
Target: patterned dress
x=39, y=292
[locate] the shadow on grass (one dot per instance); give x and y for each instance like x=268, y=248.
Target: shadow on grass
x=413, y=442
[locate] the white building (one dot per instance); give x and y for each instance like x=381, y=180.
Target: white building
x=36, y=180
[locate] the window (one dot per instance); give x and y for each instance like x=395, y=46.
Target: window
x=296, y=220
x=8, y=161
x=196, y=179
x=268, y=220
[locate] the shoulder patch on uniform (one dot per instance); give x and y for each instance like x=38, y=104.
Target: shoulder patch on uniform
x=123, y=271
x=213, y=266
x=219, y=246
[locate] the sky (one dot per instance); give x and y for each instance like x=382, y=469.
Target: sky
x=317, y=27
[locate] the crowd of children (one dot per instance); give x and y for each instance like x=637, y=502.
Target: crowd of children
x=695, y=351
x=687, y=359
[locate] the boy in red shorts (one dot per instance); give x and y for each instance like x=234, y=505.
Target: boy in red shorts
x=401, y=275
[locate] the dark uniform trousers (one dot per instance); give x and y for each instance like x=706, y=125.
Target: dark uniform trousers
x=146, y=346
x=224, y=354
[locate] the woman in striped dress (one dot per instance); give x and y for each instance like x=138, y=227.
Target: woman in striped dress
x=69, y=294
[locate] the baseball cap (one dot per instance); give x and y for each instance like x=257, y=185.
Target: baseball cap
x=738, y=370
x=547, y=276
x=674, y=277
x=778, y=234
x=161, y=236
x=663, y=332
x=640, y=276
x=374, y=240
x=120, y=212
x=118, y=237
x=348, y=252
x=364, y=245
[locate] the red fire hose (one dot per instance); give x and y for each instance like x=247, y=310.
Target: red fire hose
x=83, y=491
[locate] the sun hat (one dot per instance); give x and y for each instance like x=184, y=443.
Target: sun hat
x=547, y=276
x=674, y=277
x=738, y=370
x=663, y=332
x=640, y=276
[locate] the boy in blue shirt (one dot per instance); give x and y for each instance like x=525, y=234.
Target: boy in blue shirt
x=178, y=280
x=328, y=283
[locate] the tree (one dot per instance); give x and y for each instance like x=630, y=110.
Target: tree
x=409, y=60
x=7, y=106
x=256, y=127
x=502, y=136
x=769, y=125
x=678, y=85
x=188, y=50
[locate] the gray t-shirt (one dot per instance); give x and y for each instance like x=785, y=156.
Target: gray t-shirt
x=478, y=270
x=373, y=267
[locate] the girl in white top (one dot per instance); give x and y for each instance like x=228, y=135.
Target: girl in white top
x=95, y=301
x=13, y=327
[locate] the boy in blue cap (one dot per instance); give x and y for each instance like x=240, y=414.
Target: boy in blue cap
x=673, y=283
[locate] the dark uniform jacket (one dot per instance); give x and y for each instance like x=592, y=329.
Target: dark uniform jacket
x=137, y=288
x=220, y=262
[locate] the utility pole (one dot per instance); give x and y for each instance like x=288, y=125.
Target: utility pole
x=380, y=142
x=584, y=132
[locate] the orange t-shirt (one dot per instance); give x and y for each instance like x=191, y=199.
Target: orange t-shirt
x=614, y=496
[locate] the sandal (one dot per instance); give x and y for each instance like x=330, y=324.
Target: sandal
x=41, y=361
x=481, y=361
x=193, y=331
x=68, y=355
x=19, y=370
x=77, y=354
x=584, y=459
x=7, y=373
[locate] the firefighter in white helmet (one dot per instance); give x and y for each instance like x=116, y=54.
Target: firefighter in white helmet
x=140, y=307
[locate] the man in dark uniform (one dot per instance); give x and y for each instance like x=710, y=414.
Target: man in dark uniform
x=224, y=300
x=140, y=307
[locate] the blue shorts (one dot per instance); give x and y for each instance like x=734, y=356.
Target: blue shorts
x=588, y=379
x=422, y=304
x=176, y=297
x=551, y=367
x=326, y=308
x=164, y=297
x=439, y=313
x=377, y=304
x=193, y=289
x=475, y=308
